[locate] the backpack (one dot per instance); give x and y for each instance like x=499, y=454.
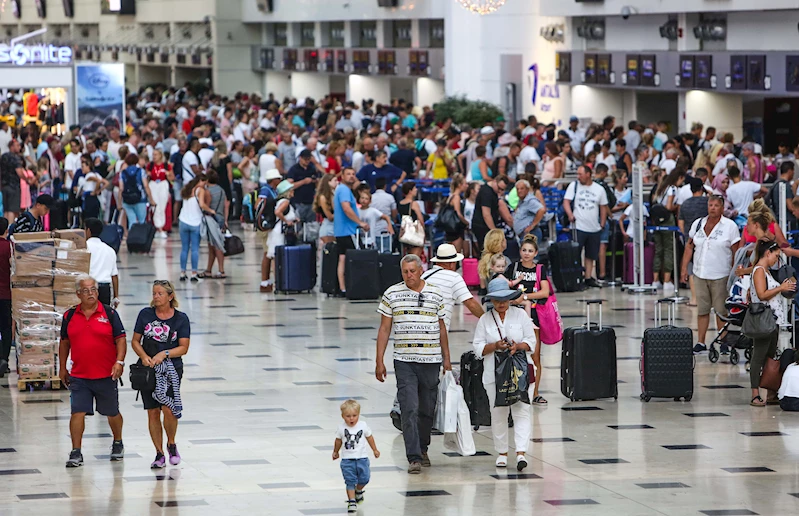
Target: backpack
x=249, y=204
x=71, y=312
x=177, y=165
x=771, y=197
x=265, y=218
x=609, y=192
x=131, y=193
x=421, y=150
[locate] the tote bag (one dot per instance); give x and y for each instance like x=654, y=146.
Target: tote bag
x=550, y=323
x=412, y=232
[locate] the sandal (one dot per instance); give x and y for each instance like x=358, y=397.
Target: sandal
x=195, y=277
x=205, y=274
x=183, y=277
x=539, y=400
x=757, y=401
x=773, y=401
x=219, y=275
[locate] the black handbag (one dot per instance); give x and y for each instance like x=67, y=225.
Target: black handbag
x=448, y=220
x=759, y=321
x=142, y=378
x=233, y=246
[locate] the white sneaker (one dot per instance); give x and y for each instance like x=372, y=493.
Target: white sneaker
x=521, y=462
x=657, y=284
x=668, y=286
x=502, y=461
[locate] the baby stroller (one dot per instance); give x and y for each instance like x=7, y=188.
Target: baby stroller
x=736, y=306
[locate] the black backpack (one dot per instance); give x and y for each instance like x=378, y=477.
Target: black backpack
x=265, y=218
x=421, y=151
x=771, y=196
x=177, y=165
x=131, y=194
x=608, y=192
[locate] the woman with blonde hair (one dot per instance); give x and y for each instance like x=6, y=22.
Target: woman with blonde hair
x=494, y=243
x=323, y=206
x=269, y=160
x=160, y=338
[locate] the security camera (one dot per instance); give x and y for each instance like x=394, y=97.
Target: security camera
x=627, y=11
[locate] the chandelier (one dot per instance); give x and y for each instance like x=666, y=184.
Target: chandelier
x=482, y=6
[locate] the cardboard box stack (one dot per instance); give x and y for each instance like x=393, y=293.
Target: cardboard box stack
x=44, y=269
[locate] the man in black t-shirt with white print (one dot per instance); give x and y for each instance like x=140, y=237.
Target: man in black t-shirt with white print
x=486, y=208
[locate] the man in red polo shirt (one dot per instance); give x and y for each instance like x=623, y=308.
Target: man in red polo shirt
x=94, y=334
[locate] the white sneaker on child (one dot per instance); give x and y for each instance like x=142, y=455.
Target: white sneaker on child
x=668, y=286
x=657, y=284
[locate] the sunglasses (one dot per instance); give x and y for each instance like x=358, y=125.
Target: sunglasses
x=421, y=300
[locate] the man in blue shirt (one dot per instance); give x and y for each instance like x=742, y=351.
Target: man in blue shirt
x=381, y=168
x=345, y=222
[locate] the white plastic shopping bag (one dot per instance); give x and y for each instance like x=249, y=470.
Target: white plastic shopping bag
x=444, y=387
x=461, y=440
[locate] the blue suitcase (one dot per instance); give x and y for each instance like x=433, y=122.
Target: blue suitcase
x=112, y=235
x=295, y=268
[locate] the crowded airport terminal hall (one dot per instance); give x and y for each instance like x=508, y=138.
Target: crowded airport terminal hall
x=310, y=257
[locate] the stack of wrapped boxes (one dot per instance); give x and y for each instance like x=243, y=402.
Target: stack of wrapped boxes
x=44, y=269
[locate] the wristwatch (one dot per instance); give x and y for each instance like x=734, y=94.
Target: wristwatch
x=120, y=362
x=525, y=297
x=167, y=353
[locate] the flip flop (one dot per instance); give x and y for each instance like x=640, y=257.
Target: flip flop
x=691, y=304
x=219, y=275
x=760, y=403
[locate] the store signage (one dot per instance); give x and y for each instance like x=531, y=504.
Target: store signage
x=18, y=54
x=21, y=55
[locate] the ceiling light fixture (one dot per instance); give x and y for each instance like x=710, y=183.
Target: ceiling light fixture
x=482, y=7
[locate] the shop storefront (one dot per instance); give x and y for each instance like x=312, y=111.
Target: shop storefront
x=41, y=77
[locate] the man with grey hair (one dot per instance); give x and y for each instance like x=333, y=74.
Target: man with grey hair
x=414, y=312
x=311, y=144
x=529, y=212
x=93, y=333
x=669, y=161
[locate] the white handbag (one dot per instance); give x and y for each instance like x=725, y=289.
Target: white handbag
x=461, y=440
x=411, y=232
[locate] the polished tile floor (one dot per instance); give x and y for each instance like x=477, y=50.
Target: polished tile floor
x=265, y=376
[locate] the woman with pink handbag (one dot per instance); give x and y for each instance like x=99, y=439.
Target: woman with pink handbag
x=539, y=301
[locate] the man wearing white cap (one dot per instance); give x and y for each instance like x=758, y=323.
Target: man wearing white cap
x=444, y=275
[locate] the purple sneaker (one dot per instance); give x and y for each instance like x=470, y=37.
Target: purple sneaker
x=159, y=462
x=174, y=456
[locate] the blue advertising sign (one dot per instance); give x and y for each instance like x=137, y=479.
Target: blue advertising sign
x=100, y=96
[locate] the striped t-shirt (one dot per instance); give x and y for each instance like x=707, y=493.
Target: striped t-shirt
x=415, y=325
x=452, y=287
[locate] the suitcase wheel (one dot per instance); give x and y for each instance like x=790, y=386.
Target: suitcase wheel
x=734, y=357
x=748, y=354
x=713, y=355
x=646, y=397
x=688, y=397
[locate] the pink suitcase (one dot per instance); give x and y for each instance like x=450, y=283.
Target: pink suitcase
x=629, y=267
x=470, y=275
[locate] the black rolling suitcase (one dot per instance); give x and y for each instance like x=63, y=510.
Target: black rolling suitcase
x=473, y=391
x=140, y=237
x=330, y=269
x=566, y=266
x=59, y=215
x=390, y=270
x=362, y=274
x=295, y=268
x=588, y=360
x=667, y=359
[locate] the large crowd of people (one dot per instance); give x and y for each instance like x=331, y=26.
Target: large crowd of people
x=370, y=174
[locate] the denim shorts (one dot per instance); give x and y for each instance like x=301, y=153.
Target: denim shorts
x=356, y=472
x=84, y=394
x=604, y=235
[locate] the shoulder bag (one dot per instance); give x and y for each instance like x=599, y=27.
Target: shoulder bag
x=759, y=321
x=142, y=378
x=411, y=232
x=550, y=323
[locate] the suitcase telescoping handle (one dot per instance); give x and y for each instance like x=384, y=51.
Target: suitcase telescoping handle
x=588, y=304
x=669, y=312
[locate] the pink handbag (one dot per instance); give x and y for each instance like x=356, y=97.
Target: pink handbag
x=549, y=321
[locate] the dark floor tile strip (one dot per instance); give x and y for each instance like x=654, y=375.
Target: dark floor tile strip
x=42, y=496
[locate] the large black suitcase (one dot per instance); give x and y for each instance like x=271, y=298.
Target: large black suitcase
x=390, y=270
x=667, y=359
x=362, y=274
x=295, y=268
x=588, y=360
x=565, y=264
x=140, y=237
x=330, y=269
x=473, y=391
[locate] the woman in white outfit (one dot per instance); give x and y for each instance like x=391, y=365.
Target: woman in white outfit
x=285, y=216
x=505, y=328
